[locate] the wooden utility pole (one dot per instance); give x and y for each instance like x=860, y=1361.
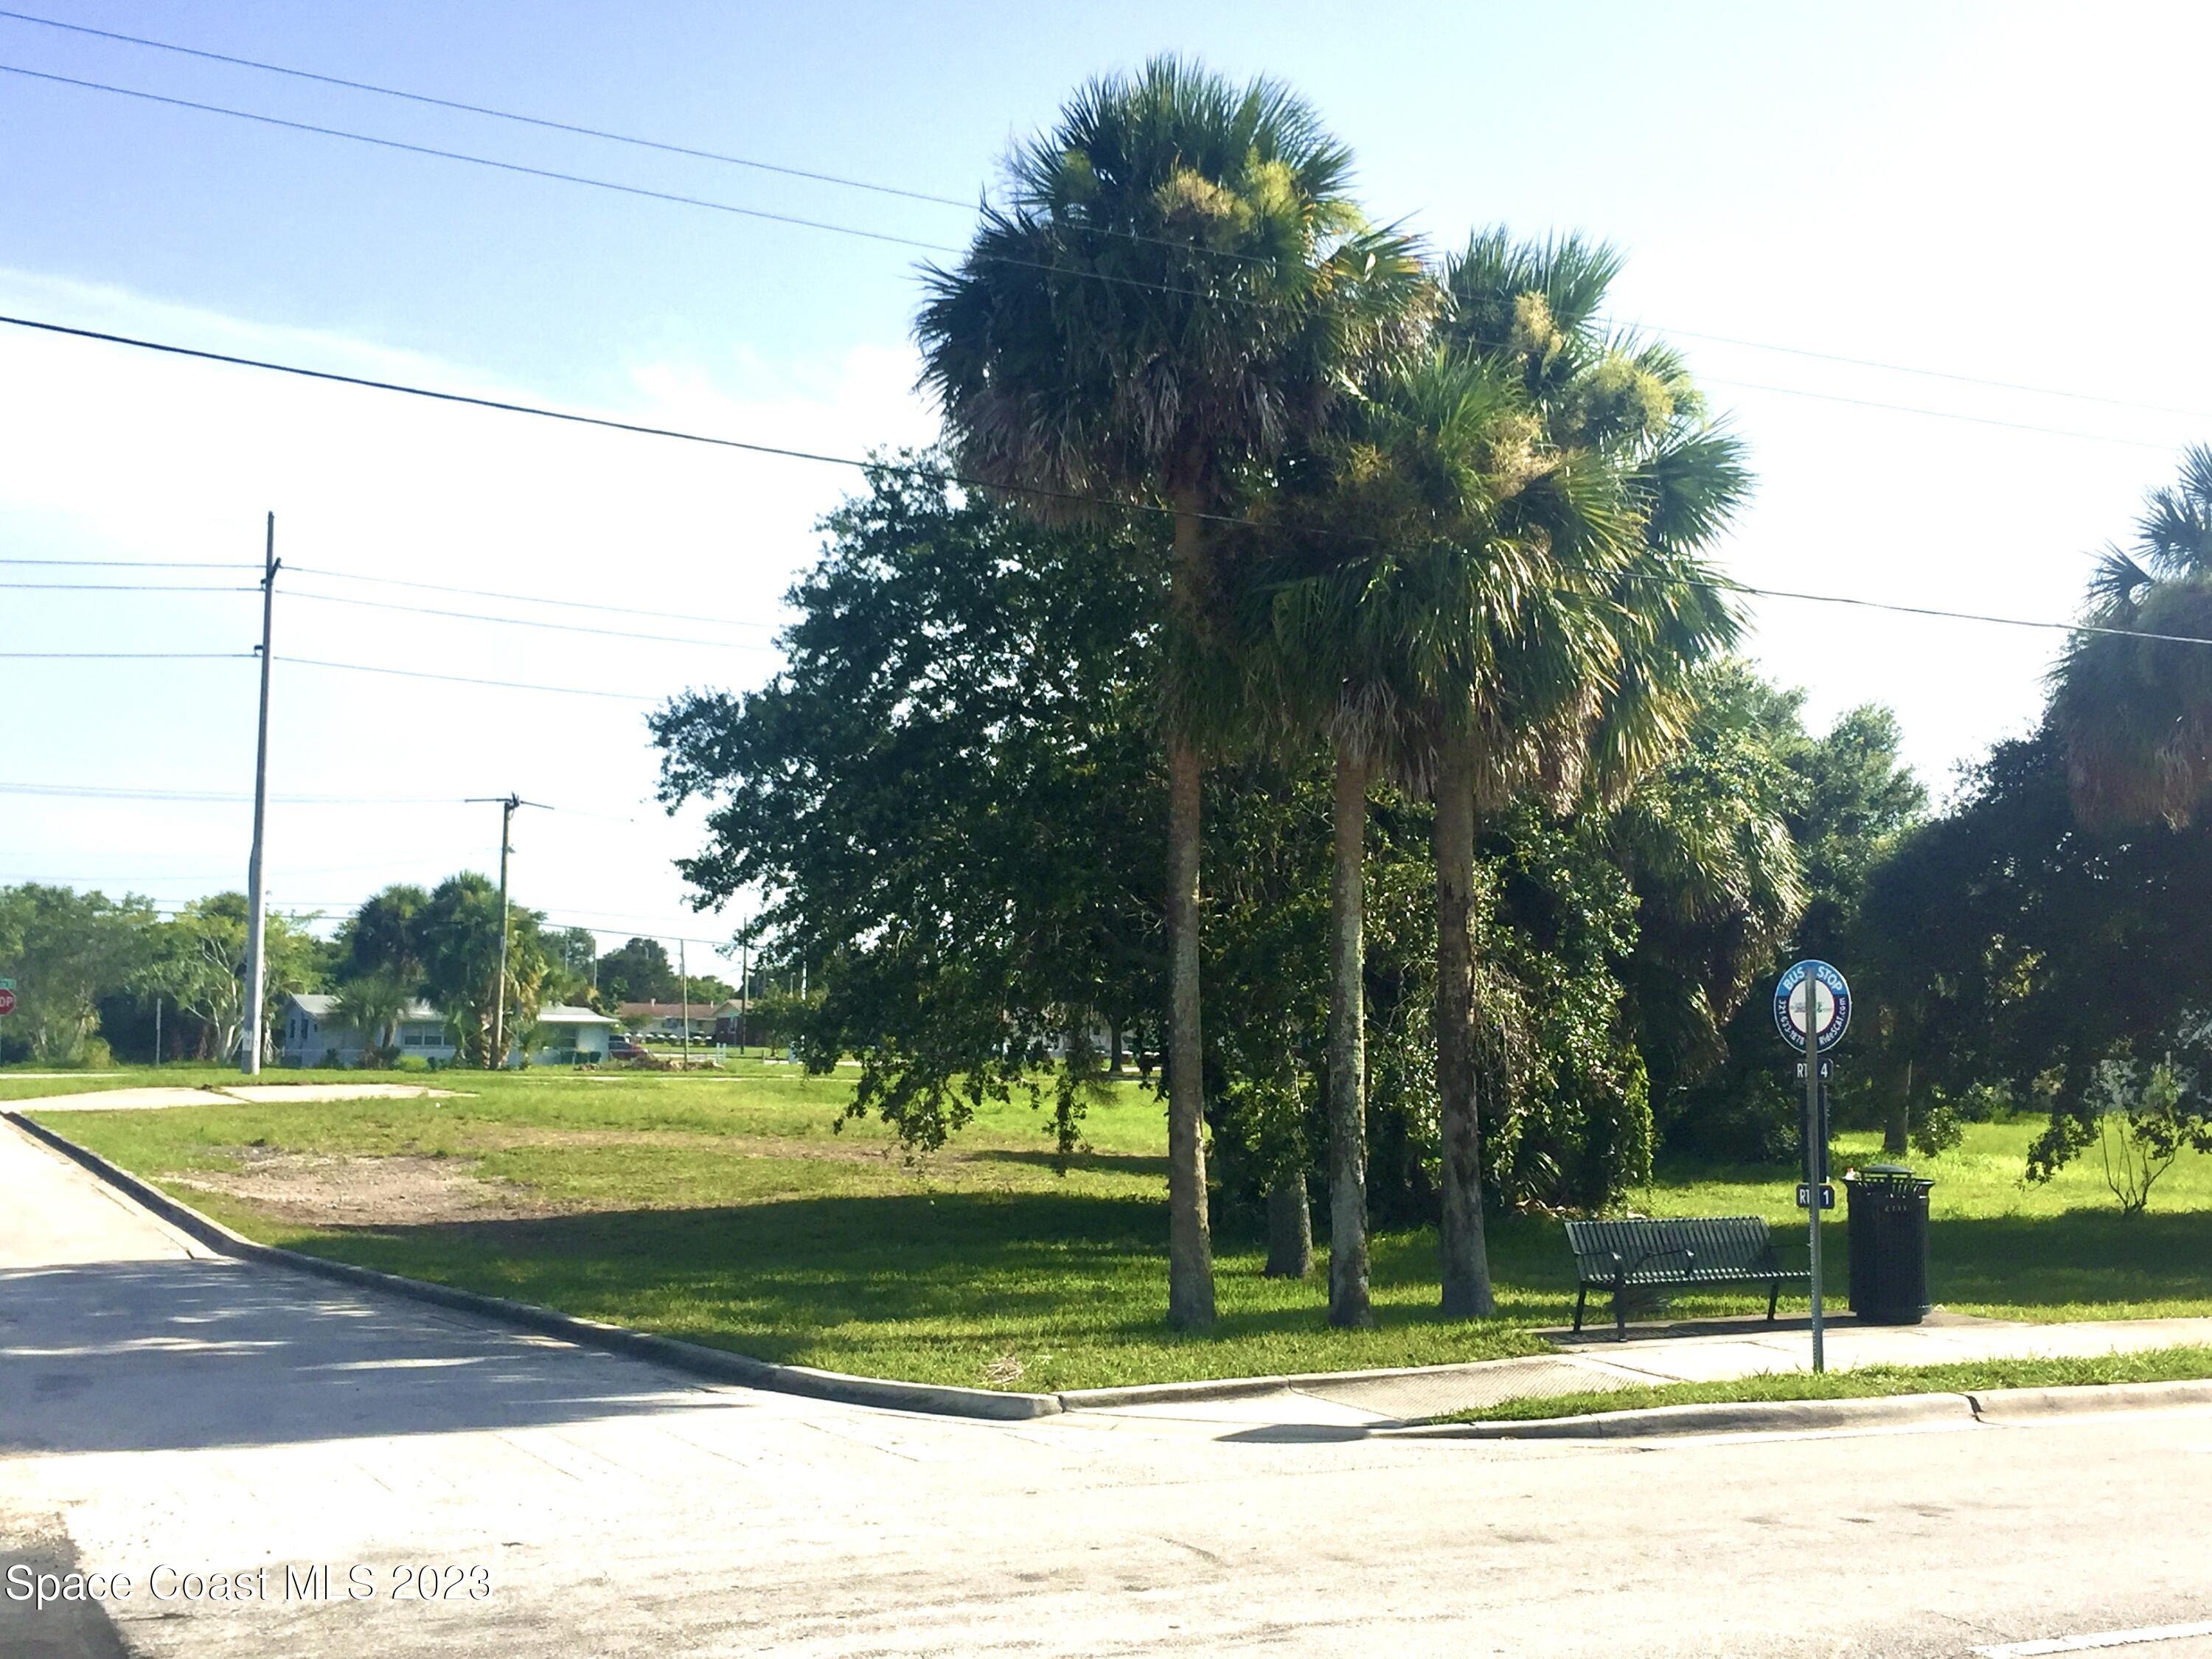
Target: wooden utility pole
x=257, y=897
x=506, y=805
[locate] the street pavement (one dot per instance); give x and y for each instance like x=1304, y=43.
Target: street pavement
x=195, y=1424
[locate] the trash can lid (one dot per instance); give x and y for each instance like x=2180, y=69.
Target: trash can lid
x=1887, y=1170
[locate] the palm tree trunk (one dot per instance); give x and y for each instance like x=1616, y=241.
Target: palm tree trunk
x=1348, y=1304
x=1190, y=1247
x=1465, y=1264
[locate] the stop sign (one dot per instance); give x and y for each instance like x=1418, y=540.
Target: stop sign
x=7, y=1002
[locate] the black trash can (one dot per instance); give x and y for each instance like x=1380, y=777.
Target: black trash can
x=1888, y=1210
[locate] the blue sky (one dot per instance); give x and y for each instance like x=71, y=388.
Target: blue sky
x=2002, y=191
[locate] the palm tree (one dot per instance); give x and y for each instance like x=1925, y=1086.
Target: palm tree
x=1523, y=618
x=2134, y=715
x=1180, y=285
x=374, y=1004
x=1431, y=453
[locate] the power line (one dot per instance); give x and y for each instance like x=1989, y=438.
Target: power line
x=929, y=474
x=524, y=621
x=1943, y=413
x=221, y=798
x=128, y=564
x=876, y=188
x=553, y=174
x=497, y=114
x=676, y=197
x=466, y=680
x=125, y=587
x=873, y=187
x=125, y=656
x=521, y=599
x=104, y=792
x=690, y=152
x=604, y=422
x=1930, y=374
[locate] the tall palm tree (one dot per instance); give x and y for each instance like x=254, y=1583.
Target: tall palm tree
x=2135, y=715
x=1179, y=286
x=1595, y=683
x=1429, y=454
x=1523, y=617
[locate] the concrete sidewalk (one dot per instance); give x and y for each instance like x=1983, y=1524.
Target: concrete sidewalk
x=1707, y=1352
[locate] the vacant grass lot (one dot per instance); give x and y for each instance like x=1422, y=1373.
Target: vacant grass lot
x=723, y=1208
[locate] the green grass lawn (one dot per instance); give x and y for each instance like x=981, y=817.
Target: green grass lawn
x=1868, y=1382
x=723, y=1208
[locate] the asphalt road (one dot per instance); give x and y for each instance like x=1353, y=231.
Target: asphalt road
x=178, y=1420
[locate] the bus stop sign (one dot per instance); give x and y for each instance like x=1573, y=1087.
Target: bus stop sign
x=1812, y=997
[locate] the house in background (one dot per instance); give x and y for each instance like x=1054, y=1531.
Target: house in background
x=309, y=1033
x=663, y=1021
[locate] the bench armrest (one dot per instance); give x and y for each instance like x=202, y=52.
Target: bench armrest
x=1689, y=1257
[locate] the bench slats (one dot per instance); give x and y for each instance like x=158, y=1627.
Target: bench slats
x=1688, y=1250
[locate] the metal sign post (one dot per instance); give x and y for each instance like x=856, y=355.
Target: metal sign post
x=1812, y=1007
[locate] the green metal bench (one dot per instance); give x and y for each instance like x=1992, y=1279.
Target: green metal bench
x=1621, y=1256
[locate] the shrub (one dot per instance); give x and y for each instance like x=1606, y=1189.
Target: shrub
x=1940, y=1128
x=2145, y=1120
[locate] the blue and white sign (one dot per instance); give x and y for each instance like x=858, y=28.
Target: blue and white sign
x=1812, y=996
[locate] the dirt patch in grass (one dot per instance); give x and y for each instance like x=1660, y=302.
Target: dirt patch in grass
x=782, y=1147
x=368, y=1192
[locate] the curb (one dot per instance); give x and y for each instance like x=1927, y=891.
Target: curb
x=1997, y=1406
x=1234, y=1388
x=1747, y=1417
x=1990, y=1407
x=715, y=1364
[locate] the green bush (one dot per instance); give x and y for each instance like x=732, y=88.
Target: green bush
x=1940, y=1128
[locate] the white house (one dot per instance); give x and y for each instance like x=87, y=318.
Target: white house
x=665, y=1020
x=309, y=1033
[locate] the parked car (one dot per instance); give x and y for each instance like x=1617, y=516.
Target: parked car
x=623, y=1046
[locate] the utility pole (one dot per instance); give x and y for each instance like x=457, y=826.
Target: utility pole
x=683, y=990
x=257, y=911
x=744, y=991
x=506, y=805
x=157, y=1030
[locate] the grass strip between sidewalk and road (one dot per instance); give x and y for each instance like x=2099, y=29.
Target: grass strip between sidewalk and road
x=2177, y=1364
